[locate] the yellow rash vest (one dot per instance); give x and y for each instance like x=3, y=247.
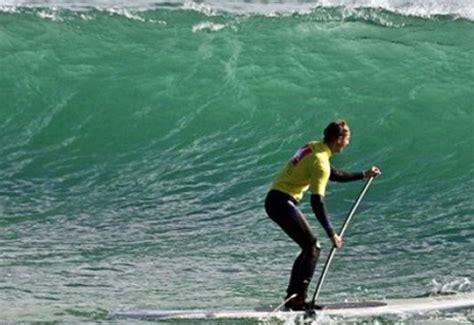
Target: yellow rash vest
x=308, y=168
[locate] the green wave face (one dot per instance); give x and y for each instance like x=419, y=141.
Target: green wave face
x=137, y=147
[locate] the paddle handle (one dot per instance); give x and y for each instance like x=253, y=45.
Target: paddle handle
x=341, y=233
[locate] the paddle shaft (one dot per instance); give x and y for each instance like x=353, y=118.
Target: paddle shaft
x=341, y=233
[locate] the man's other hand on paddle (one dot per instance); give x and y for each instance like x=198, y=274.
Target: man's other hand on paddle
x=373, y=171
x=336, y=241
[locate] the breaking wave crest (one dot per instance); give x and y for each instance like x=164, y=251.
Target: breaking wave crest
x=424, y=9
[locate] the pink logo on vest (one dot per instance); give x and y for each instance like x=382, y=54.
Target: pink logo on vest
x=300, y=154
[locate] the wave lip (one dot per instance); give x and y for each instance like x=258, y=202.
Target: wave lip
x=417, y=8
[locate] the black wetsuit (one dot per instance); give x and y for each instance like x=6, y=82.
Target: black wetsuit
x=282, y=209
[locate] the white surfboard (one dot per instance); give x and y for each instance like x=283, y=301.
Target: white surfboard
x=355, y=309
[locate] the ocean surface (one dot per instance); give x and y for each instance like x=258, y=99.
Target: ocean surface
x=137, y=143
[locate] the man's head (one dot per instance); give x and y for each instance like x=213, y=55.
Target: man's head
x=337, y=135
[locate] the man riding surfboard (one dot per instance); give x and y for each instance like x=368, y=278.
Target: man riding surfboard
x=309, y=168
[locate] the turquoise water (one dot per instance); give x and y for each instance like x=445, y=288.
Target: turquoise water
x=137, y=147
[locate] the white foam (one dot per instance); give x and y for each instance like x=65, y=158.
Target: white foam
x=451, y=285
x=86, y=17
x=51, y=15
x=418, y=8
x=200, y=7
x=208, y=26
x=126, y=13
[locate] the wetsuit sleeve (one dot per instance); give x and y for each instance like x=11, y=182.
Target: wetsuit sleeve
x=319, y=209
x=342, y=176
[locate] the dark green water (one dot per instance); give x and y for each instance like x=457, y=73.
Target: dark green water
x=136, y=153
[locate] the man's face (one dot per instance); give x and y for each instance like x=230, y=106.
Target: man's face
x=342, y=142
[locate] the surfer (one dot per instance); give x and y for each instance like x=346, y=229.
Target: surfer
x=309, y=169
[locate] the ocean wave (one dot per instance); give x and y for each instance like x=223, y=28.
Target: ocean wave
x=214, y=21
x=425, y=9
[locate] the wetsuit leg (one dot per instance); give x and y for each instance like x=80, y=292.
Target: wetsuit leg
x=281, y=208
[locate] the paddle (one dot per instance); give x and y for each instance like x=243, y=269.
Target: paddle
x=333, y=249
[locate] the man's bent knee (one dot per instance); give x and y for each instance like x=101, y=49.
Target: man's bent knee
x=313, y=248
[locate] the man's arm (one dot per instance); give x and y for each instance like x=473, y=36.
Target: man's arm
x=342, y=176
x=319, y=209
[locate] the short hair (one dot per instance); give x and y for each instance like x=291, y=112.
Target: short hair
x=335, y=129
